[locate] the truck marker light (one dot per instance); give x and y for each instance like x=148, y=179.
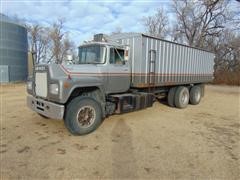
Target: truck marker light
x=66, y=85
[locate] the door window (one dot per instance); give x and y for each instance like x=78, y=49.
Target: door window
x=116, y=56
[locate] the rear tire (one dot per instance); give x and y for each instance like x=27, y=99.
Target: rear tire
x=171, y=95
x=195, y=95
x=181, y=98
x=83, y=115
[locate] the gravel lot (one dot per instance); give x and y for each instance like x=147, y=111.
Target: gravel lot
x=200, y=141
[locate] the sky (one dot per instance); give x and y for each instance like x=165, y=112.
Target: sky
x=85, y=18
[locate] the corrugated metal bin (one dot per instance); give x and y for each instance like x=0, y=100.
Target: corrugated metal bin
x=4, y=74
x=13, y=48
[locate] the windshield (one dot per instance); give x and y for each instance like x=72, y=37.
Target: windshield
x=94, y=54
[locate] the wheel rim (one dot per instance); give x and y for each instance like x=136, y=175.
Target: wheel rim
x=184, y=98
x=86, y=116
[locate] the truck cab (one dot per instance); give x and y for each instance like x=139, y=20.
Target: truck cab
x=101, y=69
x=107, y=62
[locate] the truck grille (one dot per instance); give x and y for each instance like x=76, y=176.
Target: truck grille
x=41, y=84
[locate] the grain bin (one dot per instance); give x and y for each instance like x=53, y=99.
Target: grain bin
x=13, y=50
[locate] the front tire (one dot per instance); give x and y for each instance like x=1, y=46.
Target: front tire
x=83, y=115
x=181, y=97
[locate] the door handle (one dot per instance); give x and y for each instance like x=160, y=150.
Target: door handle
x=125, y=70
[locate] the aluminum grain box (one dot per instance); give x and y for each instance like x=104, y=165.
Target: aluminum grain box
x=157, y=62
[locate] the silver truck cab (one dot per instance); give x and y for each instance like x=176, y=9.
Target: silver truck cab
x=101, y=69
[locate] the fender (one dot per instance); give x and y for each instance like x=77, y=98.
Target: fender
x=80, y=83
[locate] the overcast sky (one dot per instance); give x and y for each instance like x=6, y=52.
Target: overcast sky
x=85, y=18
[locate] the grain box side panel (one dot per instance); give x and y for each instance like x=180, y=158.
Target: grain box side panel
x=136, y=63
x=175, y=64
x=143, y=70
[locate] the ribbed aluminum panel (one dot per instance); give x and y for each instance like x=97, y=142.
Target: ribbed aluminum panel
x=174, y=63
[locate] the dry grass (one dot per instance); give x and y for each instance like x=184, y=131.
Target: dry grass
x=227, y=78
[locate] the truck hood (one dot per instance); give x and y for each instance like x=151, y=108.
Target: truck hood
x=82, y=69
x=58, y=71
x=76, y=76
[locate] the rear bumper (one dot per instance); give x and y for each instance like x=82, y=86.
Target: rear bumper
x=46, y=108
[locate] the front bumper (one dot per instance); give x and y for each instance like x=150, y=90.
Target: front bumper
x=46, y=108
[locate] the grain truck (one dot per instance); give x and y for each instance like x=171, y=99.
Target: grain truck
x=118, y=74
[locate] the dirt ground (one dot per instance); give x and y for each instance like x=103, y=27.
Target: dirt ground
x=199, y=142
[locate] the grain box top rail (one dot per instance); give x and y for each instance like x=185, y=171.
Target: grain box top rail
x=125, y=35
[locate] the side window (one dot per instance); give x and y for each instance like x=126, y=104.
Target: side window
x=116, y=56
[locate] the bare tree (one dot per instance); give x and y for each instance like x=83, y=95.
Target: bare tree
x=199, y=20
x=227, y=61
x=157, y=25
x=38, y=41
x=60, y=42
x=56, y=36
x=51, y=44
x=235, y=23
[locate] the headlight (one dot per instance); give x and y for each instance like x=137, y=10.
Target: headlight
x=54, y=89
x=29, y=85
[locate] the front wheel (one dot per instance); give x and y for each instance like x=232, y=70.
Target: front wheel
x=83, y=115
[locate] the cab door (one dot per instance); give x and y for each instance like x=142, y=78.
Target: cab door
x=118, y=71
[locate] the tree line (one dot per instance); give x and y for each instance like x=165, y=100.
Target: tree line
x=208, y=24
